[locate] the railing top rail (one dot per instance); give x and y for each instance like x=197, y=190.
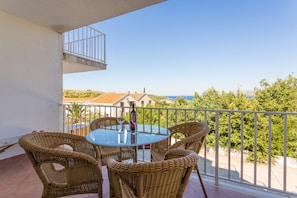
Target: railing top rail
x=195, y=109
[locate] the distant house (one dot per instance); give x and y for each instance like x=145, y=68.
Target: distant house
x=107, y=100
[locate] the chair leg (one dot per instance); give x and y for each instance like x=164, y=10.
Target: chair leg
x=202, y=185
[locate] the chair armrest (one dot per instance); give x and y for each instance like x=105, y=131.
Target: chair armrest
x=176, y=153
x=74, y=167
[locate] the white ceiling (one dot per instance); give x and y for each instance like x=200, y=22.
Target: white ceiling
x=65, y=15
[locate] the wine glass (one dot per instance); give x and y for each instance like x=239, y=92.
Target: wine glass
x=121, y=133
x=120, y=120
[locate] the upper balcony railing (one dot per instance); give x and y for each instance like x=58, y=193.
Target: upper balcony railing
x=246, y=147
x=85, y=42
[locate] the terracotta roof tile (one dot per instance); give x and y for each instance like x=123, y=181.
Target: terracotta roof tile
x=109, y=98
x=137, y=96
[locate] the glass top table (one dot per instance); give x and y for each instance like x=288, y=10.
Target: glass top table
x=144, y=134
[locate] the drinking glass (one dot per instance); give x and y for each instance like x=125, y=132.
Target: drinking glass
x=121, y=120
x=122, y=132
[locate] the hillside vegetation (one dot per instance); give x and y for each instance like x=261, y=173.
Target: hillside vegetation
x=67, y=93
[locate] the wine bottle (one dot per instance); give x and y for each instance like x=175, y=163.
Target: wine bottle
x=133, y=118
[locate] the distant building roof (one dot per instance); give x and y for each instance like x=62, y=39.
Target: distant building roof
x=137, y=96
x=106, y=98
x=109, y=98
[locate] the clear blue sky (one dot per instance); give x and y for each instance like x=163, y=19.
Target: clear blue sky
x=179, y=47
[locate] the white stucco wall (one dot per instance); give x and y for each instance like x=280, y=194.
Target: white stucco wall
x=30, y=78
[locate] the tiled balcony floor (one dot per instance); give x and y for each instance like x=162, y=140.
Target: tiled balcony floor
x=18, y=180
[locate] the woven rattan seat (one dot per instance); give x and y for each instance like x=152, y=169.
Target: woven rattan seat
x=166, y=179
x=193, y=134
x=111, y=152
x=66, y=164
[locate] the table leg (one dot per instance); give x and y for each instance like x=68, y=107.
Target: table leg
x=135, y=154
x=120, y=154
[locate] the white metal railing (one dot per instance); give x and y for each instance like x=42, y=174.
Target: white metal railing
x=224, y=156
x=85, y=42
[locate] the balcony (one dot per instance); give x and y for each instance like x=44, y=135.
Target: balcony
x=84, y=50
x=227, y=172
x=220, y=163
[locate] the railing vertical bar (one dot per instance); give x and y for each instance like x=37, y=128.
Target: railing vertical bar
x=89, y=114
x=151, y=116
x=229, y=145
x=99, y=112
x=64, y=117
x=86, y=42
x=217, y=149
x=175, y=117
x=285, y=152
x=73, y=47
x=94, y=47
x=83, y=42
x=84, y=131
x=78, y=43
x=241, y=145
x=167, y=118
x=159, y=120
x=205, y=167
x=105, y=111
x=269, y=149
x=143, y=113
x=255, y=146
x=110, y=112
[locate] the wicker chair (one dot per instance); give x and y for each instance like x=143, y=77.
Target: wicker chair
x=166, y=179
x=116, y=153
x=66, y=164
x=193, y=134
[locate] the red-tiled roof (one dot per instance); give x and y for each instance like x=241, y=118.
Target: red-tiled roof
x=108, y=98
x=137, y=96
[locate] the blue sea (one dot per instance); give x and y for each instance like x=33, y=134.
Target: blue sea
x=192, y=97
x=185, y=97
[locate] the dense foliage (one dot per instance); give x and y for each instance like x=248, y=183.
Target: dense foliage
x=238, y=112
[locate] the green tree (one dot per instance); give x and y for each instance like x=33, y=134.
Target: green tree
x=75, y=112
x=278, y=96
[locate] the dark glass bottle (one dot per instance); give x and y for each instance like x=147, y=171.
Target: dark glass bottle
x=133, y=118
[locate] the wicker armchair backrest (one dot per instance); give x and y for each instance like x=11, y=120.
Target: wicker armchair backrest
x=166, y=179
x=66, y=164
x=103, y=122
x=194, y=132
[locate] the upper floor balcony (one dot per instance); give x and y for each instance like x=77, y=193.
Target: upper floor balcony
x=84, y=49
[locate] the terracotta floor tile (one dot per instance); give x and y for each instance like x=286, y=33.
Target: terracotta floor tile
x=18, y=180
